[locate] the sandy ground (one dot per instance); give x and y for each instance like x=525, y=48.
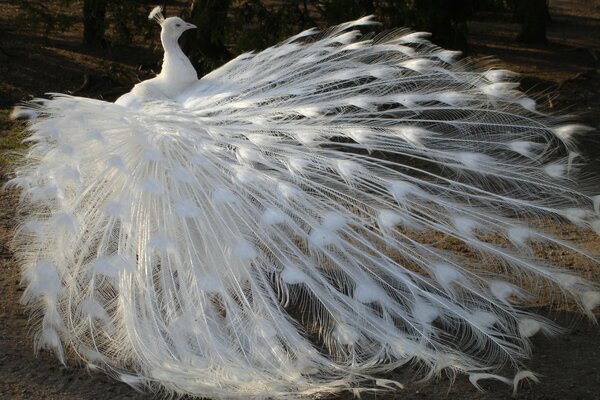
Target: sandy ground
x=565, y=74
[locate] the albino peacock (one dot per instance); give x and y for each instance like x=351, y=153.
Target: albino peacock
x=273, y=229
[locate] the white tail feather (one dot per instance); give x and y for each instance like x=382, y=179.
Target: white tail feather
x=282, y=227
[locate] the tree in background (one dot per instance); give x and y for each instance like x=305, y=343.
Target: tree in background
x=445, y=19
x=229, y=27
x=206, y=45
x=36, y=13
x=533, y=15
x=94, y=15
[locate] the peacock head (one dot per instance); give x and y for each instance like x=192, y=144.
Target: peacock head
x=172, y=27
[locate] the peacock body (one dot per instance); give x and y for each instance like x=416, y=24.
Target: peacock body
x=273, y=229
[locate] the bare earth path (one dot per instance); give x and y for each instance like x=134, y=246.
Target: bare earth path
x=566, y=71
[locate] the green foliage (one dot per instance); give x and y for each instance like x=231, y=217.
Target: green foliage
x=12, y=134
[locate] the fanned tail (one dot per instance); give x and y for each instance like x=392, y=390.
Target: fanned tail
x=283, y=227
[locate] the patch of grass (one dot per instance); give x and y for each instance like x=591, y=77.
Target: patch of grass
x=11, y=139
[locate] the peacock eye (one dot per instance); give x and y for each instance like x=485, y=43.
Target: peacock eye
x=177, y=24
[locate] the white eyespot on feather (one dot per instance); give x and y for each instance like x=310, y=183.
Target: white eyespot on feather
x=382, y=72
x=519, y=235
x=333, y=221
x=503, y=290
x=567, y=280
x=211, y=284
x=293, y=276
x=116, y=209
x=595, y=225
x=388, y=219
x=35, y=227
x=446, y=274
x=465, y=226
x=555, y=170
x=246, y=175
x=448, y=56
x=596, y=203
x=472, y=160
x=248, y=154
x=566, y=132
x=360, y=135
x=264, y=328
x=162, y=243
x=309, y=111
x=97, y=136
x=356, y=46
x=289, y=191
x=297, y=164
x=134, y=381
x=50, y=340
x=529, y=327
x=424, y=312
x=365, y=102
x=350, y=169
x=523, y=147
x=402, y=189
x=151, y=154
x=414, y=135
x=407, y=100
x=527, y=103
x=501, y=90
x=244, y=251
x=346, y=37
x=93, y=309
x=151, y=186
x=71, y=174
x=116, y=162
x=20, y=112
x=415, y=37
x=320, y=237
x=272, y=216
x=66, y=221
x=346, y=335
x=499, y=75
x=452, y=98
x=200, y=160
x=368, y=292
x=262, y=140
x=66, y=150
x=308, y=138
x=590, y=299
x=18, y=183
x=483, y=319
x=186, y=208
x=182, y=175
x=420, y=65
x=42, y=279
x=112, y=266
x=575, y=215
x=224, y=196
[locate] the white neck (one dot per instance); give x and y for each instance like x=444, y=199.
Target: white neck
x=176, y=66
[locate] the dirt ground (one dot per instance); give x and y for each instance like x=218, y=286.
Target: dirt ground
x=564, y=73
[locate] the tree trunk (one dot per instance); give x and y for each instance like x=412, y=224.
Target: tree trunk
x=205, y=47
x=94, y=12
x=533, y=15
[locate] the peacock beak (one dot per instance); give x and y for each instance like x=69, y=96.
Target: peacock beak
x=190, y=26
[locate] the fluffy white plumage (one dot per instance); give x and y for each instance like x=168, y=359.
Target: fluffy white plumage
x=271, y=230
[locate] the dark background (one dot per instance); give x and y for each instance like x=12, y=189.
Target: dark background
x=54, y=46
